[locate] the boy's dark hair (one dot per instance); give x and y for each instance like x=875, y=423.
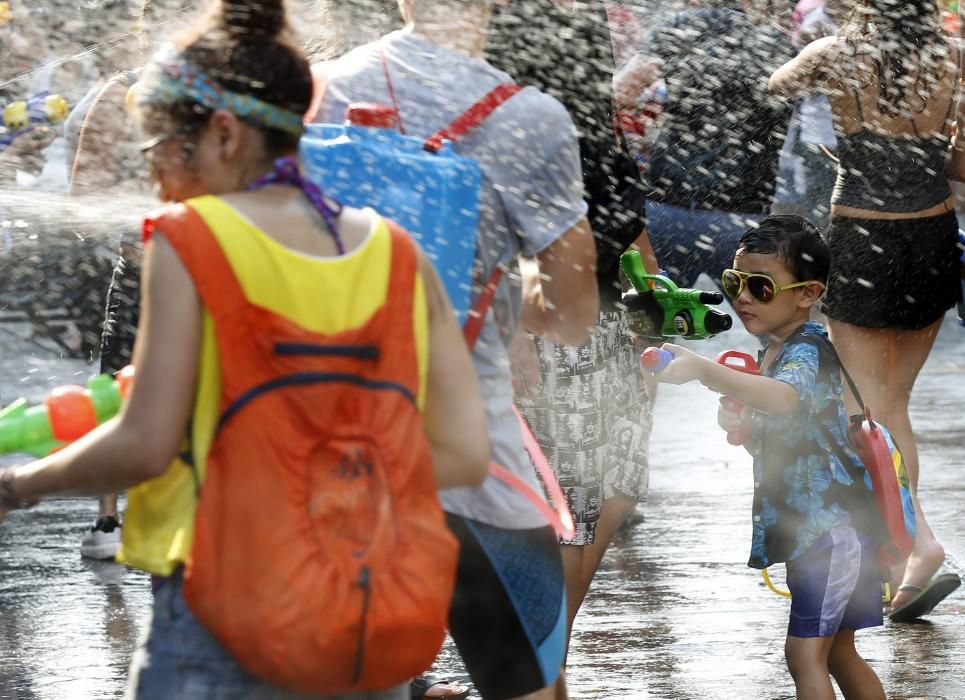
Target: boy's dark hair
x=796, y=242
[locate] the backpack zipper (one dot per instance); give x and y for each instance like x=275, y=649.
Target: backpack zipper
x=365, y=584
x=358, y=352
x=308, y=378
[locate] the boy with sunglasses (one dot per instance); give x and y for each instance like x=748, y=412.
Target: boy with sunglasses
x=813, y=507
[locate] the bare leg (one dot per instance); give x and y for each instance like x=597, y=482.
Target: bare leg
x=556, y=691
x=580, y=562
x=885, y=364
x=807, y=660
x=107, y=505
x=572, y=556
x=614, y=512
x=855, y=677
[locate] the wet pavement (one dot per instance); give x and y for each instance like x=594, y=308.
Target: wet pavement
x=674, y=612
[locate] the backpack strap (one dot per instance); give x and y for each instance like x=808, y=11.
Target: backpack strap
x=477, y=314
x=828, y=347
x=188, y=233
x=388, y=82
x=399, y=298
x=465, y=122
x=472, y=117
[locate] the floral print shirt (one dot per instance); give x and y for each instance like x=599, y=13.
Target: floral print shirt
x=807, y=478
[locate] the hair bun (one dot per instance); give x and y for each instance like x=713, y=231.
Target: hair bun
x=253, y=19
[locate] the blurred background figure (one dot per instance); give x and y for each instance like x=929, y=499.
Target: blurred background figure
x=808, y=167
x=589, y=407
x=713, y=169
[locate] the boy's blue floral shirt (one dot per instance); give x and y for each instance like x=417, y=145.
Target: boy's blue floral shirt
x=803, y=486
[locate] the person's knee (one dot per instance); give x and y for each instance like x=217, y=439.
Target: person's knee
x=804, y=657
x=842, y=656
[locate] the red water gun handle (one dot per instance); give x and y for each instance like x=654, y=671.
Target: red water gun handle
x=742, y=362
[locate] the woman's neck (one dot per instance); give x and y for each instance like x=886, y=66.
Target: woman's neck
x=463, y=33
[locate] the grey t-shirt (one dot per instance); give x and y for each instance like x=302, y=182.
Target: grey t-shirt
x=532, y=194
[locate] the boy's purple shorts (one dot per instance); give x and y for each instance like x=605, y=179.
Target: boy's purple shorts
x=835, y=585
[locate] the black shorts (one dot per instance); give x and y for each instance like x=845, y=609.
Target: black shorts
x=893, y=274
x=508, y=615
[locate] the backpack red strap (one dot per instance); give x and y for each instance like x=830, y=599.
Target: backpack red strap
x=477, y=314
x=561, y=519
x=472, y=117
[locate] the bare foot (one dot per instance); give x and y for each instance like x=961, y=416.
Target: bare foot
x=429, y=686
x=924, y=561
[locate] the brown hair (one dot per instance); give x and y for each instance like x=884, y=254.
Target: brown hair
x=246, y=47
x=910, y=47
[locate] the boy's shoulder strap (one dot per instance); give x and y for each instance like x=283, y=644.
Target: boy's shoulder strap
x=827, y=350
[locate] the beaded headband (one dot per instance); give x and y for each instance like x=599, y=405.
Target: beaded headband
x=169, y=79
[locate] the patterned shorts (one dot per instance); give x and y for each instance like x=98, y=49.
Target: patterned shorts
x=593, y=418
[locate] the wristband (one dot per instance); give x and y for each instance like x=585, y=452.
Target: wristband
x=8, y=498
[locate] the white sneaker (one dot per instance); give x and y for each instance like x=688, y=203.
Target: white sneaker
x=103, y=540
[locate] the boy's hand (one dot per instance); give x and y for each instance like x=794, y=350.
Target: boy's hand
x=685, y=367
x=729, y=420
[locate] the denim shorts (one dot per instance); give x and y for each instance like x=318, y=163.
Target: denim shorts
x=180, y=660
x=835, y=585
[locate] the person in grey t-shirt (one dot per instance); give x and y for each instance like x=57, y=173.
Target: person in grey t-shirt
x=508, y=617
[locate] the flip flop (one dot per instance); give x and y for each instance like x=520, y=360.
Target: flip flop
x=928, y=597
x=419, y=686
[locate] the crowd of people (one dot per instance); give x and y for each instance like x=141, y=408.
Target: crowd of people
x=304, y=391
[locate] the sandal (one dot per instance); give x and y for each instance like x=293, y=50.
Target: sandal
x=925, y=600
x=420, y=685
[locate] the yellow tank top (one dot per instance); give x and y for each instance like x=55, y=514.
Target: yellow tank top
x=159, y=520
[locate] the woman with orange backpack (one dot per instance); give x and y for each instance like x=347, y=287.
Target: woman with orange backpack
x=302, y=391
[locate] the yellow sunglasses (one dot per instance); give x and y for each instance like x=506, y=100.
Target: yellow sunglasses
x=762, y=287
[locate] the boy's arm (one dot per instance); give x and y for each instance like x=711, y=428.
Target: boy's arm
x=764, y=394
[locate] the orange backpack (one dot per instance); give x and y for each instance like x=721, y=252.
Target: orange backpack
x=321, y=558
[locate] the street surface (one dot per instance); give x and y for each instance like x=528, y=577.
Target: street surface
x=673, y=615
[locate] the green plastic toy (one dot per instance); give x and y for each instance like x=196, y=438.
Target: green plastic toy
x=657, y=308
x=68, y=412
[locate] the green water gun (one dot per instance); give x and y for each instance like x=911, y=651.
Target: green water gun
x=68, y=412
x=657, y=308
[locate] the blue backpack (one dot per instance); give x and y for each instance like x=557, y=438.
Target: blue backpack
x=424, y=186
